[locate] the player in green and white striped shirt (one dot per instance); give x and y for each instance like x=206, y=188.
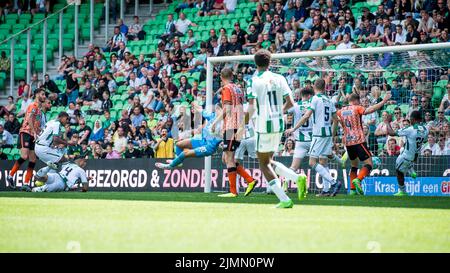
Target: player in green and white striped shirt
x=323, y=113
x=266, y=93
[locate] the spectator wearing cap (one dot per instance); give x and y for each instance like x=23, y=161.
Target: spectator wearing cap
x=341, y=29
x=240, y=33
x=132, y=152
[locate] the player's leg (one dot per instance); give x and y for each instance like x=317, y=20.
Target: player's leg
x=186, y=144
x=353, y=175
x=228, y=158
x=272, y=180
x=363, y=154
x=29, y=174
x=178, y=159
x=246, y=145
x=321, y=148
x=23, y=145
x=51, y=157
x=54, y=183
x=401, y=167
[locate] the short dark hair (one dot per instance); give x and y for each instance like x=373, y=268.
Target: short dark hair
x=63, y=114
x=307, y=92
x=415, y=115
x=262, y=58
x=319, y=84
x=354, y=97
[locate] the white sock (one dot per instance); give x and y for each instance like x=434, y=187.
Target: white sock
x=284, y=171
x=332, y=181
x=43, y=171
x=274, y=186
x=324, y=173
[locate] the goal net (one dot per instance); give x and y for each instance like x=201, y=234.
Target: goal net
x=416, y=76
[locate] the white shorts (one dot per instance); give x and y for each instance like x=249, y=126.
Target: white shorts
x=301, y=149
x=47, y=154
x=403, y=165
x=268, y=143
x=55, y=183
x=321, y=147
x=246, y=145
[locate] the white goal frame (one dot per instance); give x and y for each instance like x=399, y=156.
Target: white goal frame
x=309, y=54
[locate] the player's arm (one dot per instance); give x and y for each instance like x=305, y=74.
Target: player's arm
x=302, y=121
x=389, y=129
x=32, y=119
x=288, y=104
x=379, y=105
x=334, y=127
x=250, y=110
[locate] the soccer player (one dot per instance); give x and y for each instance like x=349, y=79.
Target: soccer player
x=28, y=133
x=71, y=174
x=324, y=123
x=232, y=118
x=50, y=146
x=303, y=135
x=415, y=135
x=350, y=118
x=267, y=90
x=206, y=146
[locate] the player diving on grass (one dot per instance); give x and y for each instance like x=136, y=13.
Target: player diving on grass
x=323, y=111
x=71, y=175
x=50, y=145
x=196, y=147
x=415, y=136
x=265, y=93
x=350, y=118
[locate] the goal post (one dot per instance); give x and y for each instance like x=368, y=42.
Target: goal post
x=435, y=55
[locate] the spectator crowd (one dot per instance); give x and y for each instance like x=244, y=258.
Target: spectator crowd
x=126, y=105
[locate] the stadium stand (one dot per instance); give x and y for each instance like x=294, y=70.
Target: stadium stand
x=145, y=86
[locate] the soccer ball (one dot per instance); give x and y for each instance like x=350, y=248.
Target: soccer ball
x=376, y=162
x=39, y=184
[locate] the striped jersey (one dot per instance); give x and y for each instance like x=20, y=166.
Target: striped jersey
x=304, y=133
x=350, y=118
x=52, y=128
x=268, y=89
x=415, y=136
x=323, y=110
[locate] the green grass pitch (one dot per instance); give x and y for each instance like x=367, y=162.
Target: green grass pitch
x=199, y=222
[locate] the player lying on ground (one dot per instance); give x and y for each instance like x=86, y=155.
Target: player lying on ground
x=266, y=92
x=324, y=125
x=50, y=145
x=71, y=175
x=350, y=118
x=232, y=119
x=415, y=136
x=29, y=131
x=193, y=147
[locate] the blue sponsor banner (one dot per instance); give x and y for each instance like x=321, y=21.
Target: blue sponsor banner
x=421, y=186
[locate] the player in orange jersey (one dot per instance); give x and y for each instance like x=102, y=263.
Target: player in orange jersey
x=232, y=128
x=354, y=139
x=30, y=129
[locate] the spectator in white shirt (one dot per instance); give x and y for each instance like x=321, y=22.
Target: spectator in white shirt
x=430, y=145
x=135, y=31
x=426, y=23
x=400, y=35
x=182, y=24
x=345, y=44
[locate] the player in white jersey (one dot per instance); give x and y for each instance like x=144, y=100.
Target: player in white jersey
x=248, y=140
x=266, y=92
x=50, y=146
x=415, y=135
x=71, y=174
x=303, y=135
x=323, y=112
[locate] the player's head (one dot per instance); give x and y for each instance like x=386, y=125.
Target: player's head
x=39, y=95
x=415, y=117
x=262, y=59
x=81, y=162
x=354, y=99
x=306, y=93
x=63, y=117
x=226, y=75
x=319, y=86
